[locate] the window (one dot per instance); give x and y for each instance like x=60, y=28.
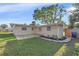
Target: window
x=32, y=28
x=24, y=28
x=48, y=28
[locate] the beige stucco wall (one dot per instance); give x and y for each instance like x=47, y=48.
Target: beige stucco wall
x=75, y=30
x=55, y=30
x=18, y=30
x=18, y=37
x=29, y=33
x=35, y=30
x=61, y=31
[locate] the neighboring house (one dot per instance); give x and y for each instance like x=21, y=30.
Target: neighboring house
x=8, y=29
x=25, y=31
x=76, y=29
x=5, y=30
x=0, y=29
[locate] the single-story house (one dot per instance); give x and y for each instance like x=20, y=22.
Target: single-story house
x=25, y=31
x=5, y=29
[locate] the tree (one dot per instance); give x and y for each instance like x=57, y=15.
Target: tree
x=77, y=25
x=76, y=5
x=59, y=13
x=76, y=12
x=74, y=17
x=33, y=22
x=50, y=14
x=71, y=21
x=43, y=15
x=4, y=26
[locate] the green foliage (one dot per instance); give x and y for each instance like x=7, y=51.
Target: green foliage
x=77, y=25
x=4, y=26
x=49, y=14
x=76, y=5
x=76, y=51
x=62, y=38
x=74, y=17
x=71, y=21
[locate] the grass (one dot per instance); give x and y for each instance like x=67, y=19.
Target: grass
x=76, y=52
x=36, y=46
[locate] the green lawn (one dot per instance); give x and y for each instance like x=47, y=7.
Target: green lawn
x=35, y=47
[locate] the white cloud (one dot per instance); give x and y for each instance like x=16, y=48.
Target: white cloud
x=14, y=20
x=19, y=7
x=71, y=9
x=16, y=12
x=12, y=8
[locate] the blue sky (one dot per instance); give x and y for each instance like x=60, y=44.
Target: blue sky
x=22, y=13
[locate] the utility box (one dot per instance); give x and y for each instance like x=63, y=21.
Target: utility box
x=77, y=32
x=74, y=35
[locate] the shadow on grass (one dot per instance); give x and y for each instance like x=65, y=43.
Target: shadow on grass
x=31, y=47
x=6, y=35
x=70, y=48
x=38, y=47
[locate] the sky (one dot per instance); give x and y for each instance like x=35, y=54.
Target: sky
x=23, y=13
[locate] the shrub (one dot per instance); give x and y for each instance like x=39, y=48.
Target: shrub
x=55, y=37
x=62, y=38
